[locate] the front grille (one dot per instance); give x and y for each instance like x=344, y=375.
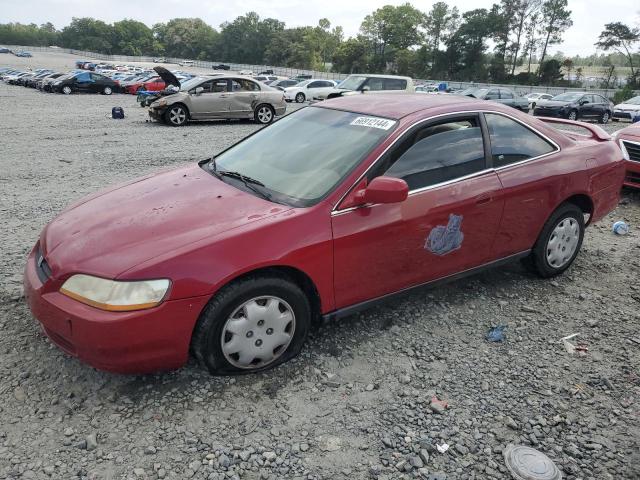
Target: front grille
x=42, y=267
x=634, y=150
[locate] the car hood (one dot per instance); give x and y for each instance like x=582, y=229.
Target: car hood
x=627, y=106
x=632, y=131
x=112, y=231
x=553, y=103
x=168, y=77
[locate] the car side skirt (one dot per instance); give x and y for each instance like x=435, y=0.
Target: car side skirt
x=358, y=307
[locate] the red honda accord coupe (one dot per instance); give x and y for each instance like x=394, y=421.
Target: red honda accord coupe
x=329, y=210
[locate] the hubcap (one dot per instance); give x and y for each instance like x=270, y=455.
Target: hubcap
x=300, y=98
x=107, y=90
x=605, y=118
x=177, y=116
x=258, y=332
x=563, y=242
x=572, y=116
x=264, y=115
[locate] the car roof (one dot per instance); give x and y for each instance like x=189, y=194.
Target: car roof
x=396, y=106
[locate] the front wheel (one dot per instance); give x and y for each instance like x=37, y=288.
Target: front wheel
x=107, y=91
x=573, y=115
x=559, y=242
x=251, y=325
x=264, y=114
x=176, y=116
x=300, y=97
x=604, y=118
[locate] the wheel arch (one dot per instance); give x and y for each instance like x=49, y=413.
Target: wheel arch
x=583, y=201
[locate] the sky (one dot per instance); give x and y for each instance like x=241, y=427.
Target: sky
x=589, y=16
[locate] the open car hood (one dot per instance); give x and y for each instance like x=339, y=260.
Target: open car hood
x=168, y=77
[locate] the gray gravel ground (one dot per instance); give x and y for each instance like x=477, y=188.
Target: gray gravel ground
x=358, y=402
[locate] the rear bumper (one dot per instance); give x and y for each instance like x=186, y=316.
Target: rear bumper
x=123, y=342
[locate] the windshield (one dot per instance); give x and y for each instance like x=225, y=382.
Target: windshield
x=480, y=92
x=468, y=91
x=191, y=83
x=352, y=82
x=305, y=155
x=568, y=97
x=633, y=101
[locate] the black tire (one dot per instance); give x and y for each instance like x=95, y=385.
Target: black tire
x=206, y=342
x=264, y=114
x=573, y=113
x=174, y=118
x=300, y=97
x=537, y=261
x=107, y=90
x=605, y=117
x=66, y=90
x=533, y=105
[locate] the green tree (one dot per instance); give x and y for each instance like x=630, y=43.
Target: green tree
x=550, y=72
x=621, y=38
x=466, y=49
x=131, y=37
x=440, y=23
x=247, y=38
x=525, y=10
x=88, y=34
x=187, y=38
x=394, y=28
x=352, y=56
x=555, y=20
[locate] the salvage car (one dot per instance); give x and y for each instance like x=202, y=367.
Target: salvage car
x=506, y=96
x=87, y=82
x=330, y=210
x=629, y=140
x=219, y=97
x=308, y=89
x=627, y=110
x=576, y=105
x=356, y=84
x=535, y=97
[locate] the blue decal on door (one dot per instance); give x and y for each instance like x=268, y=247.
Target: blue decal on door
x=446, y=239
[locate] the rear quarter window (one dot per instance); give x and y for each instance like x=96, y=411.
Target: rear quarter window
x=512, y=142
x=395, y=84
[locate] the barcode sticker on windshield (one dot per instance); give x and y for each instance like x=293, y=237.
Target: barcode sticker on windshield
x=374, y=122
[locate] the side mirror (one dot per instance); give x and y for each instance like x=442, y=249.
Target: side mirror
x=366, y=88
x=584, y=102
x=383, y=190
x=199, y=90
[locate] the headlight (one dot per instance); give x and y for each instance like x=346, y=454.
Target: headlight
x=162, y=102
x=113, y=295
x=57, y=83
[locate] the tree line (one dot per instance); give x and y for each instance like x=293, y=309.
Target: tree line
x=508, y=42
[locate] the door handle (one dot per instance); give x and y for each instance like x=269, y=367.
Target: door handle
x=482, y=199
x=224, y=95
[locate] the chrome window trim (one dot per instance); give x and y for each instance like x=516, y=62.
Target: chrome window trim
x=625, y=140
x=335, y=212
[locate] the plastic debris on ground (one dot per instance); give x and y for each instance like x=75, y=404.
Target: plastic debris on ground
x=442, y=448
x=573, y=347
x=526, y=463
x=620, y=228
x=496, y=334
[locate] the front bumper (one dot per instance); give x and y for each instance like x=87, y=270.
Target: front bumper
x=632, y=175
x=123, y=342
x=157, y=113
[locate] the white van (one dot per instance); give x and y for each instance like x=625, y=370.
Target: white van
x=187, y=63
x=357, y=84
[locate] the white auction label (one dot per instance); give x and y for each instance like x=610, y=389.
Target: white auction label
x=374, y=122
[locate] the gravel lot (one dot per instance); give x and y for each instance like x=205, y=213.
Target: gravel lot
x=357, y=402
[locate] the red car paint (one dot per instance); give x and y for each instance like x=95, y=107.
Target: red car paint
x=631, y=135
x=154, y=85
x=202, y=233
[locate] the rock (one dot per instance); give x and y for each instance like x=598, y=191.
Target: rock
x=424, y=456
x=461, y=449
x=150, y=450
x=437, y=407
x=224, y=461
x=92, y=441
x=19, y=394
x=269, y=456
x=404, y=379
x=304, y=447
x=68, y=432
x=416, y=461
x=138, y=472
x=329, y=443
x=510, y=422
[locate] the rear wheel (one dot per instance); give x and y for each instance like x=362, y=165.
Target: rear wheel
x=264, y=114
x=251, y=325
x=300, y=97
x=559, y=242
x=176, y=115
x=107, y=91
x=66, y=90
x=604, y=118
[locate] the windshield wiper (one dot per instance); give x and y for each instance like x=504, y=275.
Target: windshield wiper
x=248, y=181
